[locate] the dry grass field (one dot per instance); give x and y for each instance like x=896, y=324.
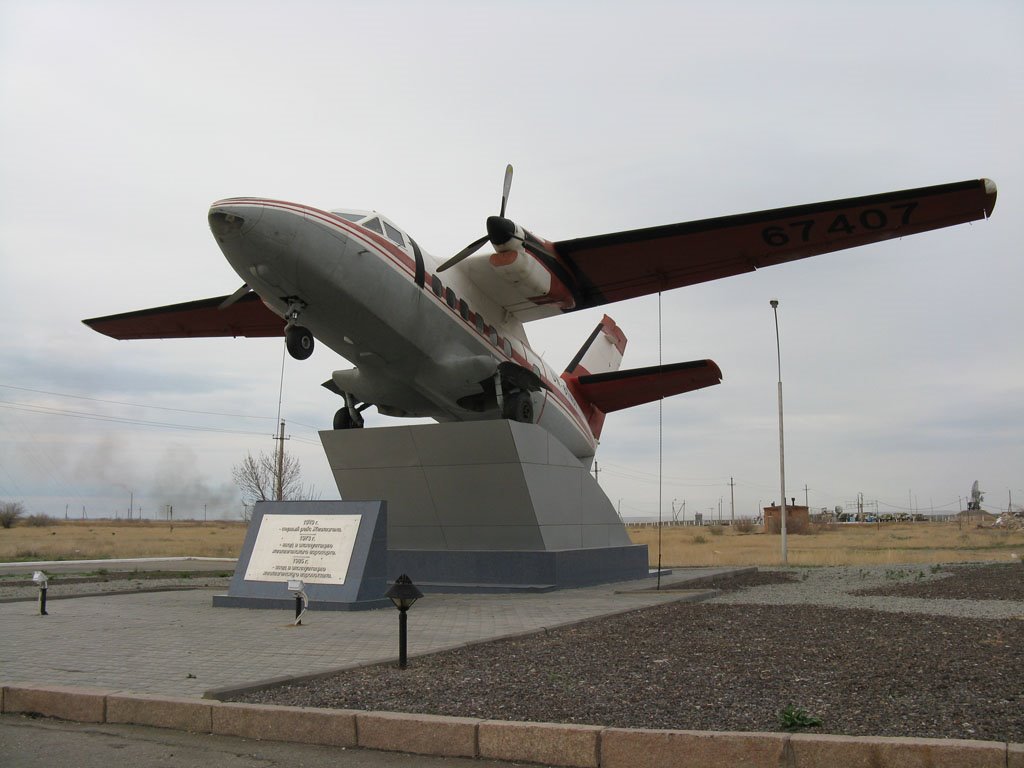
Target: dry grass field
x=861, y=544
x=102, y=539
x=857, y=544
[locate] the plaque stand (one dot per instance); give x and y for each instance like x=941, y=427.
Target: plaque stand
x=337, y=548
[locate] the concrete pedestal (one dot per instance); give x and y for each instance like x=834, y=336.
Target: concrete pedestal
x=490, y=505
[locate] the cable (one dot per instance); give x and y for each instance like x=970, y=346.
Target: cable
x=134, y=405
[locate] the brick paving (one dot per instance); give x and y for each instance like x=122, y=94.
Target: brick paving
x=177, y=644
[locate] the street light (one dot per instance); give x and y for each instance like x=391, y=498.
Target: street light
x=403, y=593
x=782, y=450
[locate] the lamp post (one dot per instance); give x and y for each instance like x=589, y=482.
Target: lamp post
x=403, y=593
x=782, y=450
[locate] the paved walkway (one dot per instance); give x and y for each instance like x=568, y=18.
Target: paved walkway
x=177, y=644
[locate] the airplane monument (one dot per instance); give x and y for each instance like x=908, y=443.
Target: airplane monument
x=497, y=495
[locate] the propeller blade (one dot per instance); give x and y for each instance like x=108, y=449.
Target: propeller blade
x=469, y=250
x=244, y=290
x=505, y=189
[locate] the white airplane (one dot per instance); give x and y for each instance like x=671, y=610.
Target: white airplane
x=446, y=340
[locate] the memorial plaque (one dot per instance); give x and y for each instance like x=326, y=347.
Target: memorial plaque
x=316, y=549
x=337, y=548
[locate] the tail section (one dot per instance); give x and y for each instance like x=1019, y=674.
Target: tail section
x=600, y=387
x=601, y=353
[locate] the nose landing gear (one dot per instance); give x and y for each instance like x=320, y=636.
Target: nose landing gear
x=299, y=341
x=297, y=338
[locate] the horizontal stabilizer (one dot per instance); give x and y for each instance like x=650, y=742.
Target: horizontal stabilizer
x=247, y=316
x=623, y=389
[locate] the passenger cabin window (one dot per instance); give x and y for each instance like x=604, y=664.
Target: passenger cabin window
x=435, y=285
x=393, y=234
x=449, y=296
x=480, y=323
x=464, y=309
x=374, y=224
x=508, y=347
x=493, y=336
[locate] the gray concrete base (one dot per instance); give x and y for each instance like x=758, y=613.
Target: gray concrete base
x=485, y=506
x=511, y=571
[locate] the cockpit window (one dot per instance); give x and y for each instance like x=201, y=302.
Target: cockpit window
x=394, y=234
x=374, y=224
x=349, y=216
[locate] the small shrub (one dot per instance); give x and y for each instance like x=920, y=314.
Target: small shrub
x=795, y=718
x=716, y=530
x=39, y=521
x=10, y=511
x=744, y=525
x=699, y=539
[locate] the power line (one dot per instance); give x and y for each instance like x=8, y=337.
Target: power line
x=137, y=405
x=48, y=411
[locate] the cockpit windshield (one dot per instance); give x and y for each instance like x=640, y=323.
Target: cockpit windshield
x=374, y=221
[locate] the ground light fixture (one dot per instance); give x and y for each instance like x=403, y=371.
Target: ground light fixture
x=403, y=593
x=301, y=599
x=40, y=578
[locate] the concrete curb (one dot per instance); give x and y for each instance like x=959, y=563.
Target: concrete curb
x=572, y=746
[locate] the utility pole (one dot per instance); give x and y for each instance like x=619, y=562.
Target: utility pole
x=280, y=464
x=806, y=503
x=131, y=503
x=732, y=501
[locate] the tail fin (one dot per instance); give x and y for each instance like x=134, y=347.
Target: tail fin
x=600, y=387
x=601, y=353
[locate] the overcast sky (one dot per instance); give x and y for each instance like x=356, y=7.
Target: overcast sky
x=120, y=122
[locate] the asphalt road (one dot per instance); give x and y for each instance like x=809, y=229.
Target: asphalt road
x=27, y=742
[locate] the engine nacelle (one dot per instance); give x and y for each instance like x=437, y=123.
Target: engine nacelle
x=532, y=279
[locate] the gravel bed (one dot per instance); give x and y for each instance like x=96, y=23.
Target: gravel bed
x=865, y=664
x=962, y=582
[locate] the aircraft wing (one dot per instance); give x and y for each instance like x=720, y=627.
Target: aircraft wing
x=623, y=265
x=248, y=316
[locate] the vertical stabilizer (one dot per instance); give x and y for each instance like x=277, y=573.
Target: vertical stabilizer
x=602, y=351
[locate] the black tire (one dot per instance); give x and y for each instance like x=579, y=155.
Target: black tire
x=343, y=419
x=520, y=408
x=299, y=342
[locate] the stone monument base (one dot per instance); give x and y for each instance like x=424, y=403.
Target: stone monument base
x=518, y=571
x=485, y=506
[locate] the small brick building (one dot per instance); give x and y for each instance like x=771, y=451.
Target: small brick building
x=797, y=519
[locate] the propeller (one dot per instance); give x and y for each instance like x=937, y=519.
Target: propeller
x=499, y=229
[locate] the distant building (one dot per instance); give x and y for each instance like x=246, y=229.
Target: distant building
x=797, y=519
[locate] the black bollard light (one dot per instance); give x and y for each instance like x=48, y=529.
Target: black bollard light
x=40, y=578
x=403, y=593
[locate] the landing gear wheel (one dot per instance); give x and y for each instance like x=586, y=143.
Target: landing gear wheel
x=519, y=408
x=343, y=420
x=299, y=341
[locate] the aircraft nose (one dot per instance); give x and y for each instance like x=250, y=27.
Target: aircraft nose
x=228, y=220
x=224, y=224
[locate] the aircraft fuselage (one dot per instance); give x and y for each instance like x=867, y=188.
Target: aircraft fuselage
x=422, y=346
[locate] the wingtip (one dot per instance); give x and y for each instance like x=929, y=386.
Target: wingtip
x=990, y=196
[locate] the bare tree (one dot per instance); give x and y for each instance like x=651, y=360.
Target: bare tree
x=10, y=511
x=256, y=478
